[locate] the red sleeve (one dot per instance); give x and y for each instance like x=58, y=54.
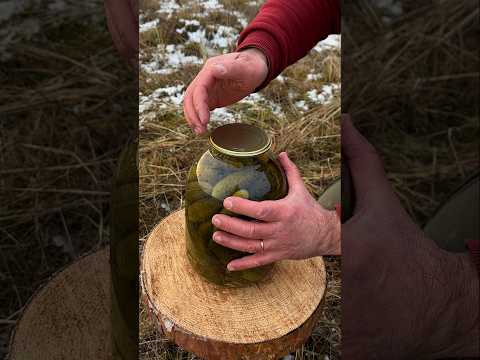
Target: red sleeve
x=286, y=30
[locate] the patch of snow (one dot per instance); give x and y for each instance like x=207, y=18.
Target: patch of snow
x=165, y=206
x=169, y=60
x=175, y=57
x=222, y=116
x=276, y=109
x=149, y=25
x=301, y=104
x=188, y=22
x=332, y=41
x=325, y=94
x=224, y=36
x=242, y=19
x=253, y=98
x=314, y=77
x=154, y=67
x=211, y=5
x=168, y=7
x=161, y=97
x=197, y=36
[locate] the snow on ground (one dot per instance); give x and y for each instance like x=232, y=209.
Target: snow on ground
x=214, y=39
x=149, y=25
x=314, y=77
x=332, y=41
x=168, y=7
x=324, y=95
x=223, y=116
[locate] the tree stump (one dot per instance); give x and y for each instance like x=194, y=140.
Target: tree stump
x=264, y=321
x=69, y=317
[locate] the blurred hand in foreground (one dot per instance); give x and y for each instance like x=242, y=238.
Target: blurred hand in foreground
x=223, y=81
x=402, y=296
x=295, y=227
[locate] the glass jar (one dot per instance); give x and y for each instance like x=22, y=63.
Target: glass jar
x=239, y=162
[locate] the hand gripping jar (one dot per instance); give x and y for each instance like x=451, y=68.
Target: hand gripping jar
x=239, y=162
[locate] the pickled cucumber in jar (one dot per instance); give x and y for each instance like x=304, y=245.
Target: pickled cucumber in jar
x=239, y=163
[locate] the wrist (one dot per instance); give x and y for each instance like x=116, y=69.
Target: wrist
x=261, y=60
x=329, y=233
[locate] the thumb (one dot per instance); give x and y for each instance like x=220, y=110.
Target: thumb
x=294, y=179
x=363, y=160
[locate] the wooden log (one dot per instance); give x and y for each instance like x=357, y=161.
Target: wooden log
x=69, y=317
x=264, y=321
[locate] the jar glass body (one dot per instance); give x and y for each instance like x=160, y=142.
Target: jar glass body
x=214, y=177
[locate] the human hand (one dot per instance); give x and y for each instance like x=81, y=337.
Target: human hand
x=402, y=296
x=295, y=227
x=223, y=81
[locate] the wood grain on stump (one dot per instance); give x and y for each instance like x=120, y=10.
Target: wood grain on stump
x=263, y=321
x=69, y=317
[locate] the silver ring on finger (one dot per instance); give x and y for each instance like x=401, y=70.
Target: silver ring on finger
x=262, y=245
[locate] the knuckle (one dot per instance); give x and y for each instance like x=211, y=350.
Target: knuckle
x=228, y=223
x=210, y=61
x=251, y=248
x=252, y=230
x=263, y=212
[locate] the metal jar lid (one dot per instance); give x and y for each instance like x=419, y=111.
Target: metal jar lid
x=241, y=140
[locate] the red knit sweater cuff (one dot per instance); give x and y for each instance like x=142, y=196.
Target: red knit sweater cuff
x=267, y=44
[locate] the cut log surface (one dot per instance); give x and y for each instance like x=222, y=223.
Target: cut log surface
x=263, y=321
x=69, y=317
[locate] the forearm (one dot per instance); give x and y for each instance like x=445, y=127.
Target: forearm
x=285, y=30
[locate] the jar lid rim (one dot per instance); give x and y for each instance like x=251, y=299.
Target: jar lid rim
x=265, y=143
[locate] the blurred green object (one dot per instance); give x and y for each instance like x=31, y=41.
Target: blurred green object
x=456, y=221
x=124, y=258
x=340, y=192
x=331, y=196
x=238, y=163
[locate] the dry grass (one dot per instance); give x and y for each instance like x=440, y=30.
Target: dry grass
x=414, y=91
x=57, y=153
